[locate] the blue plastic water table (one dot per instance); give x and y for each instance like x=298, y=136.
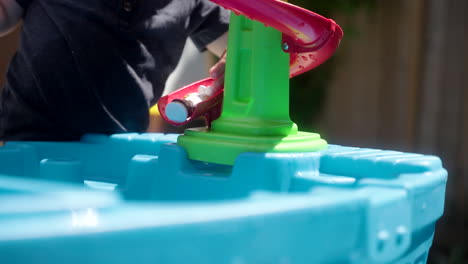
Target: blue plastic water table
x=134, y=198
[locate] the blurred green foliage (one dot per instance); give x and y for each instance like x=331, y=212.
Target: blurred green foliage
x=309, y=90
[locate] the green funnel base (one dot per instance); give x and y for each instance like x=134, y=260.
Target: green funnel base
x=222, y=148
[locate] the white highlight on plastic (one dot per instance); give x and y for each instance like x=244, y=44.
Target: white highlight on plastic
x=85, y=218
x=205, y=91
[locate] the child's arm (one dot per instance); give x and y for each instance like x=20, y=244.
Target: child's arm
x=10, y=15
x=218, y=46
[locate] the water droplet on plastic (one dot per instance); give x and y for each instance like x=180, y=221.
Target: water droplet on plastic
x=304, y=58
x=301, y=67
x=312, y=57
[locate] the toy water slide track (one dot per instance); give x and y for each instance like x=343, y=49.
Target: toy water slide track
x=309, y=38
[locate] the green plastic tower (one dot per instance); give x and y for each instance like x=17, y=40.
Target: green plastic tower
x=255, y=115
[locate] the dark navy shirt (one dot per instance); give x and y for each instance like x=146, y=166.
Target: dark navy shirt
x=95, y=66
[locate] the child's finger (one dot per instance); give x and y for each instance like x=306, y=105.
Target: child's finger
x=219, y=68
x=218, y=83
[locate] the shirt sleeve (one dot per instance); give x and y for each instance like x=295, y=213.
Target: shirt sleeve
x=208, y=22
x=24, y=3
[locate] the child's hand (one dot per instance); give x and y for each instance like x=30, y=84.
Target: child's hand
x=217, y=73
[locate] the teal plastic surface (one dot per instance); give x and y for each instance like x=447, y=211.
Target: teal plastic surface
x=135, y=199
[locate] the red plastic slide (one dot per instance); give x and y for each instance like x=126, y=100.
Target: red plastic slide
x=309, y=38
